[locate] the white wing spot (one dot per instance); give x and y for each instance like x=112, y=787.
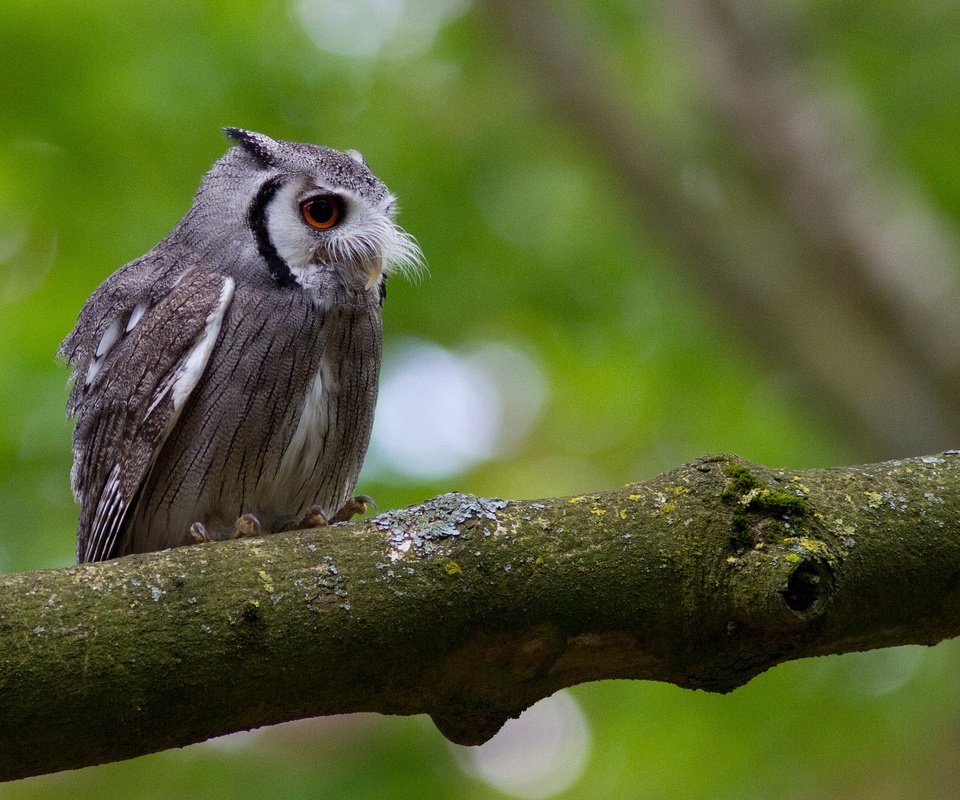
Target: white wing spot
x=135, y=316
x=110, y=337
x=188, y=375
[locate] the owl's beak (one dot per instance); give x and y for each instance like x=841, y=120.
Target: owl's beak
x=374, y=271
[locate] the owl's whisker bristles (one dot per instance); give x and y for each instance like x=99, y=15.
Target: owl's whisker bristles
x=398, y=250
x=407, y=257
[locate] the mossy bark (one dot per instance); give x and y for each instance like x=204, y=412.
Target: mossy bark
x=471, y=609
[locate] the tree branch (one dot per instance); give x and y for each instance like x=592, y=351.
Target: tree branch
x=472, y=609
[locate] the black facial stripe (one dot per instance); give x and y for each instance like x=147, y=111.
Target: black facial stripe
x=258, y=223
x=383, y=288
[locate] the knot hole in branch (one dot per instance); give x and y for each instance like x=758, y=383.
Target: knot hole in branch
x=808, y=587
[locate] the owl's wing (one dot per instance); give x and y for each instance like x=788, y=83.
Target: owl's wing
x=129, y=393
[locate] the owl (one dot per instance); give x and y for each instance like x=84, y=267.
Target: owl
x=224, y=383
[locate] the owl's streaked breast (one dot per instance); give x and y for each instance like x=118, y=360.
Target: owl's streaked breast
x=322, y=458
x=282, y=423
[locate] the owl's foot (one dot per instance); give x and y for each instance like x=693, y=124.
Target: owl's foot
x=353, y=507
x=247, y=526
x=314, y=518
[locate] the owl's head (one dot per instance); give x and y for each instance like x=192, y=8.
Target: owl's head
x=318, y=217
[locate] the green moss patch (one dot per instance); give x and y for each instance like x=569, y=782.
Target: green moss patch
x=752, y=500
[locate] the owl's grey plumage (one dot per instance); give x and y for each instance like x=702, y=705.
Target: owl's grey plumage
x=233, y=369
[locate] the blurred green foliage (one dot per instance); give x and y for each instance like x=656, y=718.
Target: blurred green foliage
x=109, y=113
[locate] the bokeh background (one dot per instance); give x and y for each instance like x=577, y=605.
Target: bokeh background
x=654, y=230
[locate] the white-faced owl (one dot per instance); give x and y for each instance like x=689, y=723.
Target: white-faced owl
x=224, y=383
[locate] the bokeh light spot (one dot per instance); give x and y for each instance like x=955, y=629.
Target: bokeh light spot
x=441, y=412
x=371, y=28
x=538, y=755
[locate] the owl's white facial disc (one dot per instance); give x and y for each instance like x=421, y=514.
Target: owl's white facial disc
x=292, y=238
x=361, y=246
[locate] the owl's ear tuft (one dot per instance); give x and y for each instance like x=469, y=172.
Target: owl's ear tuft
x=261, y=147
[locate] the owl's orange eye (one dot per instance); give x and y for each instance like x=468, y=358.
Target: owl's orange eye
x=323, y=211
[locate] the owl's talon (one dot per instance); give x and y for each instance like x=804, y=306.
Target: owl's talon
x=247, y=526
x=314, y=518
x=198, y=532
x=353, y=507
